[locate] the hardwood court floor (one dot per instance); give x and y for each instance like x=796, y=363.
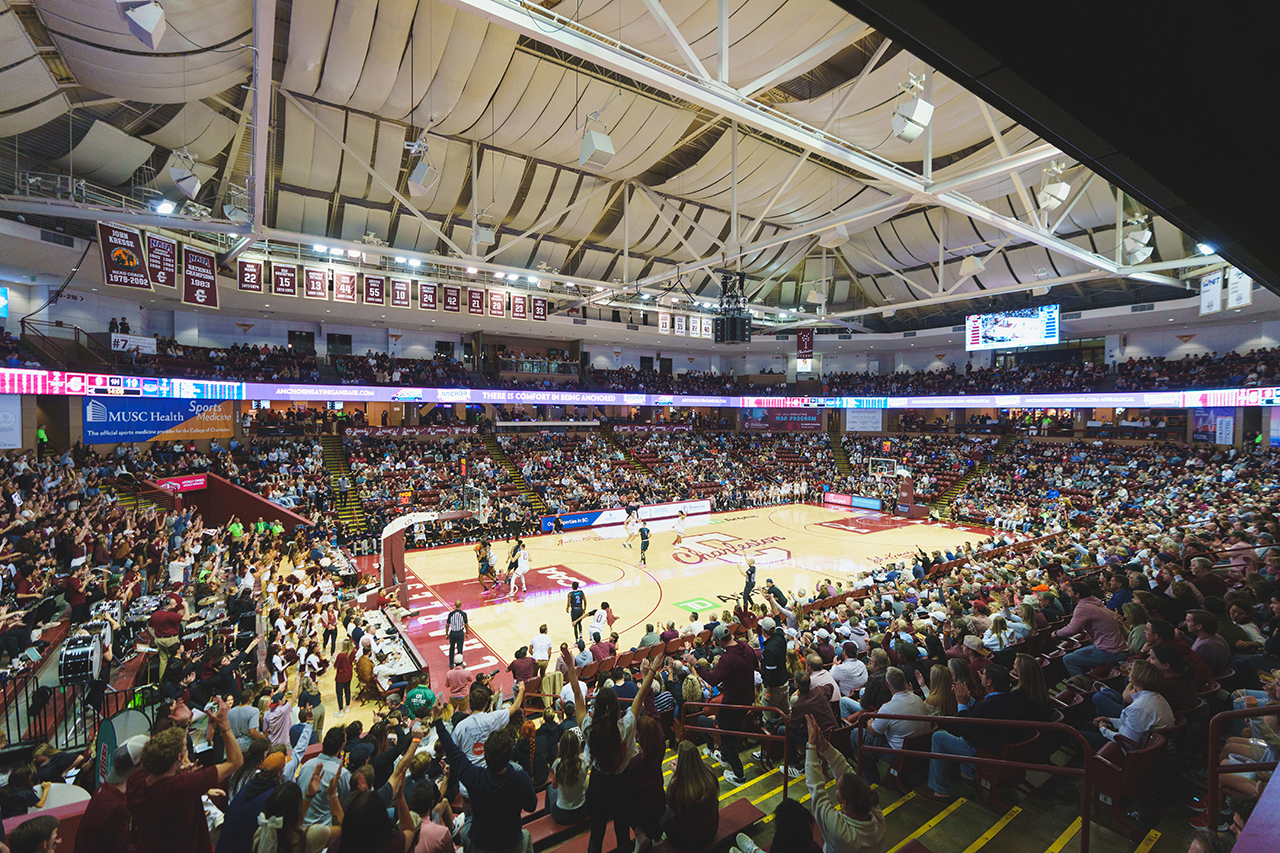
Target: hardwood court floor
x=797, y=545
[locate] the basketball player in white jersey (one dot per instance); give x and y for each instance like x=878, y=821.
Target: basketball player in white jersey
x=680, y=523
x=522, y=568
x=632, y=525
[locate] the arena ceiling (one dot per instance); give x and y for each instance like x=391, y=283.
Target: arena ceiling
x=747, y=133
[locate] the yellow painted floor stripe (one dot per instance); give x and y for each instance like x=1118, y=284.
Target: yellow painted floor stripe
x=748, y=784
x=1150, y=841
x=1066, y=836
x=993, y=831
x=910, y=795
x=937, y=819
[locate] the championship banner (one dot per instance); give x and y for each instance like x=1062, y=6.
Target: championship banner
x=400, y=293
x=162, y=260
x=1211, y=293
x=452, y=298
x=497, y=303
x=375, y=290
x=679, y=325
x=315, y=283
x=109, y=420
x=804, y=343
x=1239, y=289
x=519, y=306
x=475, y=301
x=344, y=286
x=121, y=249
x=133, y=343
x=249, y=276
x=428, y=295
x=695, y=327
x=199, y=277
x=284, y=279
x=538, y=307
x=664, y=323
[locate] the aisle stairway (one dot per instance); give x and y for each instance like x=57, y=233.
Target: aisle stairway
x=943, y=504
x=631, y=458
x=843, y=466
x=335, y=462
x=497, y=454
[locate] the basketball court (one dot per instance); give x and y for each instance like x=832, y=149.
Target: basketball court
x=797, y=545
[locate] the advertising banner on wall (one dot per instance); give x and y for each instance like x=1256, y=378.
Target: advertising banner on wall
x=162, y=260
x=782, y=420
x=184, y=483
x=607, y=517
x=1212, y=423
x=122, y=257
x=109, y=420
x=863, y=420
x=10, y=422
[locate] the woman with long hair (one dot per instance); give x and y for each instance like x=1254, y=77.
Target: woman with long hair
x=1135, y=620
x=282, y=830
x=647, y=804
x=567, y=784
x=938, y=694
x=999, y=636
x=530, y=752
x=693, y=807
x=962, y=674
x=1030, y=687
x=611, y=744
x=343, y=671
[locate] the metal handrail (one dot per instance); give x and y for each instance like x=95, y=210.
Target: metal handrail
x=1086, y=773
x=754, y=735
x=1215, y=769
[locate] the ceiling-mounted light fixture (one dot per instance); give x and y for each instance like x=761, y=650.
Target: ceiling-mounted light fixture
x=145, y=20
x=413, y=262
x=402, y=260
x=911, y=118
x=319, y=248
x=163, y=206
x=1205, y=249
x=336, y=250
x=183, y=176
x=235, y=214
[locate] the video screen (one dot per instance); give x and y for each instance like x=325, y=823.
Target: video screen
x=1026, y=327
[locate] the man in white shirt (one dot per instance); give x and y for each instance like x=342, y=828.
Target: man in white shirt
x=471, y=733
x=892, y=733
x=850, y=675
x=694, y=628
x=540, y=648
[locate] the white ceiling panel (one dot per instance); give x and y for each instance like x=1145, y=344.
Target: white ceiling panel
x=359, y=139
x=388, y=155
x=202, y=131
x=349, y=44
x=387, y=46
x=311, y=158
x=310, y=24
x=106, y=155
x=531, y=211
x=34, y=116
x=432, y=27
x=25, y=83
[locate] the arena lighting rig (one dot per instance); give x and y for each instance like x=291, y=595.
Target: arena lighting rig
x=733, y=325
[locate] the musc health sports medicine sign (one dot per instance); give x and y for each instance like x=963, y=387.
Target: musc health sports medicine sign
x=108, y=420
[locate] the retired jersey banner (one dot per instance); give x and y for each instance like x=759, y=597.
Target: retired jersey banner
x=249, y=276
x=375, y=292
x=679, y=324
x=519, y=306
x=400, y=293
x=162, y=260
x=497, y=303
x=315, y=283
x=452, y=298
x=108, y=420
x=199, y=277
x=708, y=328
x=428, y=296
x=284, y=279
x=664, y=323
x=344, y=286
x=695, y=327
x=475, y=301
x=538, y=307
x=122, y=257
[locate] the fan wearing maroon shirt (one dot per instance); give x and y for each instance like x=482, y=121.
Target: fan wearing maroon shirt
x=166, y=630
x=164, y=794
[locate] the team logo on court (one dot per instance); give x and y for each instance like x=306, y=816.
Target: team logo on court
x=705, y=547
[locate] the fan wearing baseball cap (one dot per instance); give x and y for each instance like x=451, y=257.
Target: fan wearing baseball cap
x=105, y=824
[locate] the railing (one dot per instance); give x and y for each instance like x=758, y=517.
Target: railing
x=1085, y=773
x=51, y=337
x=684, y=709
x=1216, y=770
x=64, y=717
